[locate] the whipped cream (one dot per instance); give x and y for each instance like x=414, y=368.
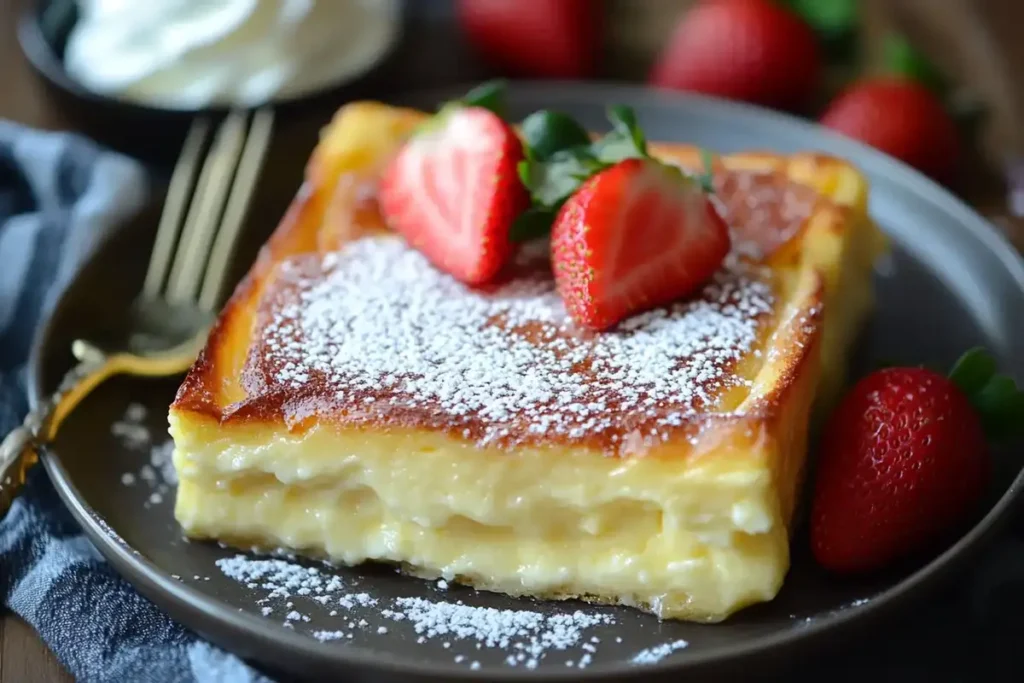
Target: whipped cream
x=187, y=54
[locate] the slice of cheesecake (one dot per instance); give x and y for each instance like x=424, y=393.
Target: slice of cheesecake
x=355, y=404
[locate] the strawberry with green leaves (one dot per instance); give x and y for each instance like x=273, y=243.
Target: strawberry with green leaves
x=905, y=111
x=628, y=233
x=905, y=458
x=452, y=189
x=560, y=157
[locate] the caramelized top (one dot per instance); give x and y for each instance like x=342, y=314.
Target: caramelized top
x=764, y=210
x=373, y=334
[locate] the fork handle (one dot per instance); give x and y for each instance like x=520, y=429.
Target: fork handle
x=19, y=450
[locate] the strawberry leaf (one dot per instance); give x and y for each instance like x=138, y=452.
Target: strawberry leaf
x=546, y=132
x=706, y=179
x=489, y=95
x=903, y=59
x=828, y=16
x=996, y=398
x=1001, y=406
x=836, y=23
x=533, y=223
x=552, y=176
x=560, y=157
x=973, y=370
x=552, y=181
x=625, y=140
x=624, y=123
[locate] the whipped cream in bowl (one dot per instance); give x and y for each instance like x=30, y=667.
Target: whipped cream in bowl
x=190, y=55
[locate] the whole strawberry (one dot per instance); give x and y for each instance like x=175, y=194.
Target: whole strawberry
x=534, y=38
x=628, y=232
x=904, y=458
x=750, y=50
x=901, y=118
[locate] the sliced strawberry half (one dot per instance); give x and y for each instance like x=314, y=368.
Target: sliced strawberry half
x=453, y=191
x=635, y=236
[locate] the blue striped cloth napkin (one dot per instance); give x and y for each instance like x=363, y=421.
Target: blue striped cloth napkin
x=58, y=195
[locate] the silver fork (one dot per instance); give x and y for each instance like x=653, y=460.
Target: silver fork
x=188, y=268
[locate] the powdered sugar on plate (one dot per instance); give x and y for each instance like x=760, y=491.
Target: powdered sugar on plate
x=528, y=635
x=295, y=594
x=156, y=472
x=653, y=655
x=131, y=429
x=809, y=620
x=280, y=578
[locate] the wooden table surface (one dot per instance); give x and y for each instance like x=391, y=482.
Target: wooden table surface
x=23, y=657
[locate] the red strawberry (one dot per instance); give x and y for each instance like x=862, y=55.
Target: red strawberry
x=452, y=192
x=901, y=118
x=750, y=50
x=904, y=458
x=540, y=38
x=634, y=236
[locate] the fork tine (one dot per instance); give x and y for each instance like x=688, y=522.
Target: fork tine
x=203, y=217
x=249, y=166
x=178, y=193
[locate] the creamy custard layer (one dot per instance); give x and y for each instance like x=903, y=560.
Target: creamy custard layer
x=695, y=542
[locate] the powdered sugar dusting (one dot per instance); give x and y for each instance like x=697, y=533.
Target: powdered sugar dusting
x=653, y=655
x=282, y=579
x=527, y=635
x=375, y=325
x=335, y=610
x=157, y=472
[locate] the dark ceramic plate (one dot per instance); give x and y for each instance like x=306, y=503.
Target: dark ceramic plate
x=951, y=282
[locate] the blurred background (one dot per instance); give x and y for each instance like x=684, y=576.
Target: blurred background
x=933, y=82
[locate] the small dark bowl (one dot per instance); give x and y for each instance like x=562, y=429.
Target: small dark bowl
x=150, y=133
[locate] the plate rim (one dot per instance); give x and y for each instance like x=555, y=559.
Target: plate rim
x=198, y=607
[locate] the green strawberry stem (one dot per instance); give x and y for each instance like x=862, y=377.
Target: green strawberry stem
x=560, y=157
x=553, y=180
x=489, y=95
x=625, y=141
x=996, y=398
x=903, y=59
x=533, y=223
x=706, y=179
x=835, y=22
x=548, y=132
